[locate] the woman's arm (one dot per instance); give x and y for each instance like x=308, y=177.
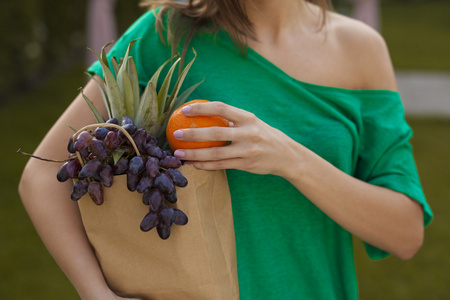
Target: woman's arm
x=55, y=216
x=384, y=218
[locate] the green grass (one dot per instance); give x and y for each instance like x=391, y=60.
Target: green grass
x=27, y=270
x=417, y=34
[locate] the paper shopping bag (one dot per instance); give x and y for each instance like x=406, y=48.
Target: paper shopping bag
x=197, y=261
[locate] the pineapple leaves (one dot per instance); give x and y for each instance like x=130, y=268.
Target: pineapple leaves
x=112, y=90
x=132, y=72
x=124, y=82
x=178, y=84
x=176, y=103
x=155, y=76
x=102, y=89
x=98, y=116
x=74, y=130
x=164, y=91
x=147, y=113
x=115, y=65
x=121, y=93
x=103, y=54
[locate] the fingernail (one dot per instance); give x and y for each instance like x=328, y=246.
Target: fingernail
x=179, y=153
x=186, y=110
x=178, y=134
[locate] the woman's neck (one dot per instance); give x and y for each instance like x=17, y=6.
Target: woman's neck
x=274, y=20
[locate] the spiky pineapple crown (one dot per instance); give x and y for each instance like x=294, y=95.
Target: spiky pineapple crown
x=121, y=95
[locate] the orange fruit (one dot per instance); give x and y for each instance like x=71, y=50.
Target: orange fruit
x=179, y=121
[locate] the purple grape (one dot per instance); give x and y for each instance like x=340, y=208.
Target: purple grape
x=95, y=190
x=170, y=162
x=84, y=153
x=154, y=198
x=154, y=150
x=149, y=222
x=180, y=217
x=90, y=168
x=130, y=128
x=83, y=141
x=121, y=166
x=80, y=188
x=167, y=153
x=166, y=216
x=73, y=167
x=139, y=139
x=98, y=148
x=164, y=183
x=122, y=137
x=172, y=198
x=152, y=167
x=163, y=232
x=144, y=184
x=106, y=175
x=70, y=146
x=111, y=141
x=127, y=120
x=133, y=181
x=136, y=165
x=177, y=177
x=62, y=174
x=100, y=133
x=112, y=121
x=152, y=139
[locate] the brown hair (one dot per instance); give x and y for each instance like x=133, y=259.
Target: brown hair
x=185, y=18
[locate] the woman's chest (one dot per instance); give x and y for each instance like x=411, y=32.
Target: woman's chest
x=321, y=125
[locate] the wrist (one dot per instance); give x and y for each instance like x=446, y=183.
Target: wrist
x=294, y=162
x=94, y=290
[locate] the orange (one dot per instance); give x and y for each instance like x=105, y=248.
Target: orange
x=179, y=121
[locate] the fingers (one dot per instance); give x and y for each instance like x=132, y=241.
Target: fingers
x=232, y=163
x=209, y=154
x=206, y=134
x=236, y=115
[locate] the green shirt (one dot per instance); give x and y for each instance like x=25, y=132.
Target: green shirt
x=286, y=247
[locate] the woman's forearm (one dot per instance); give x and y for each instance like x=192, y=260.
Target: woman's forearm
x=58, y=222
x=47, y=201
x=381, y=217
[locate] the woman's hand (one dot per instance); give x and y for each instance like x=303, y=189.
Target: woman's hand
x=255, y=146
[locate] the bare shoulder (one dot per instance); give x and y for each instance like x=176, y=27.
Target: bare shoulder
x=364, y=50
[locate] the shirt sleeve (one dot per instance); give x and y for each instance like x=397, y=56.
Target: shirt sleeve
x=148, y=52
x=385, y=155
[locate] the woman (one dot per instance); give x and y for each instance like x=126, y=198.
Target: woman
x=319, y=148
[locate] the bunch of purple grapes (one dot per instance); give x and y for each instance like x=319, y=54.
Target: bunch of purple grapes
x=154, y=173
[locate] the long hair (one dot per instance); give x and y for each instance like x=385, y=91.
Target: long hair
x=185, y=18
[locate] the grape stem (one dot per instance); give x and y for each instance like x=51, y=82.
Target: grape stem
x=104, y=125
x=45, y=159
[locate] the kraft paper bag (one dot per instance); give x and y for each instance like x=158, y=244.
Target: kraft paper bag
x=197, y=261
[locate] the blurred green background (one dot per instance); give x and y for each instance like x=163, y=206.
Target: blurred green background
x=42, y=65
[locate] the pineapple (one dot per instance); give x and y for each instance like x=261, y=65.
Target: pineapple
x=121, y=96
